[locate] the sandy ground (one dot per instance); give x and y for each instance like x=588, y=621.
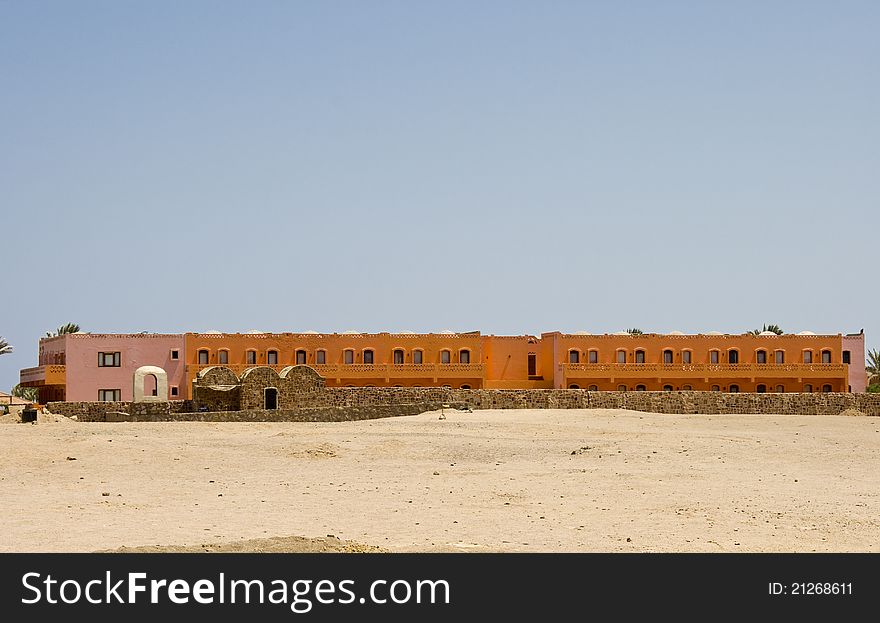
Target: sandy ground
x=549, y=481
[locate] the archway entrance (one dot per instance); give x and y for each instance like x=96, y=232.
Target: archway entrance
x=271, y=398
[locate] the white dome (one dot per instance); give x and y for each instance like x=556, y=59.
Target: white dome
x=213, y=333
x=714, y=333
x=766, y=333
x=310, y=333
x=447, y=332
x=675, y=333
x=620, y=333
x=255, y=332
x=350, y=332
x=582, y=333
x=806, y=333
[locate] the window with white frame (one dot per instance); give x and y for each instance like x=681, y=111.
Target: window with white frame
x=109, y=395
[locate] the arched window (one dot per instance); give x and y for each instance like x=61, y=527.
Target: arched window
x=716, y=388
x=826, y=388
x=223, y=356
x=826, y=356
x=445, y=356
x=621, y=356
x=272, y=358
x=640, y=388
x=687, y=388
x=761, y=356
x=808, y=356
x=593, y=388
x=667, y=388
x=734, y=389
x=667, y=356
x=808, y=389
x=574, y=356
x=321, y=357
x=733, y=356
x=780, y=389
x=573, y=386
x=686, y=356
x=621, y=388
x=398, y=356
x=465, y=387
x=348, y=356
x=300, y=357
x=780, y=357
x=251, y=357
x=761, y=388
x=594, y=356
x=203, y=357
x=713, y=356
x=368, y=355
x=418, y=355
x=640, y=356
x=464, y=356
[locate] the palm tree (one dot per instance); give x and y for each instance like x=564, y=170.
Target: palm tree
x=64, y=329
x=5, y=348
x=25, y=393
x=873, y=367
x=772, y=328
x=635, y=331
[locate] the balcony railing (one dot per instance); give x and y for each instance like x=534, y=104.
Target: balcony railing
x=705, y=370
x=43, y=375
x=374, y=370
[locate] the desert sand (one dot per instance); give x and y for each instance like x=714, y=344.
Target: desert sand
x=487, y=481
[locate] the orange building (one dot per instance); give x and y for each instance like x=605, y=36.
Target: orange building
x=803, y=362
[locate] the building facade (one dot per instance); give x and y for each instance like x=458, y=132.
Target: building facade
x=99, y=367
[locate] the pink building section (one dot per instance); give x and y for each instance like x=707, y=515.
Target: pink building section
x=858, y=377
x=79, y=352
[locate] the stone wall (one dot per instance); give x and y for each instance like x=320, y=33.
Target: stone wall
x=95, y=411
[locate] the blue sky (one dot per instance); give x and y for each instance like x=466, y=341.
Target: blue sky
x=508, y=167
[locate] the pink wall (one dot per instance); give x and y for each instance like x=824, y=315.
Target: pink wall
x=858, y=378
x=52, y=351
x=85, y=378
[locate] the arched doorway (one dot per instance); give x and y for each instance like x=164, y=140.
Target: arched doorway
x=270, y=398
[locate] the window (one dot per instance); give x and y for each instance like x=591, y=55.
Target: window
x=301, y=357
x=667, y=388
x=687, y=388
x=573, y=386
x=621, y=356
x=780, y=357
x=594, y=356
x=667, y=356
x=574, y=356
x=734, y=389
x=444, y=356
x=733, y=356
x=826, y=388
x=223, y=356
x=465, y=387
x=593, y=388
x=686, y=356
x=174, y=390
x=846, y=356
x=418, y=356
x=348, y=356
x=780, y=389
x=109, y=395
x=808, y=389
x=715, y=388
x=808, y=356
x=464, y=356
x=826, y=356
x=640, y=356
x=640, y=388
x=252, y=357
x=203, y=357
x=110, y=360
x=175, y=354
x=532, y=364
x=621, y=388
x=272, y=358
x=713, y=356
x=762, y=388
x=761, y=356
x=321, y=357
x=368, y=356
x=398, y=357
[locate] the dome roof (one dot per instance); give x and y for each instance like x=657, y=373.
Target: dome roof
x=766, y=333
x=620, y=333
x=806, y=333
x=714, y=333
x=255, y=332
x=350, y=332
x=310, y=333
x=447, y=332
x=212, y=332
x=675, y=333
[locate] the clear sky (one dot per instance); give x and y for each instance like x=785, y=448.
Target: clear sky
x=508, y=167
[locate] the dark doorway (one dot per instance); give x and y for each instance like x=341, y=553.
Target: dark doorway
x=271, y=398
x=533, y=364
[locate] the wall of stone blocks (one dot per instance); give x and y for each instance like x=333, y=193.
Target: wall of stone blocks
x=88, y=411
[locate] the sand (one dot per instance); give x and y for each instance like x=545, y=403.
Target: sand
x=487, y=481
